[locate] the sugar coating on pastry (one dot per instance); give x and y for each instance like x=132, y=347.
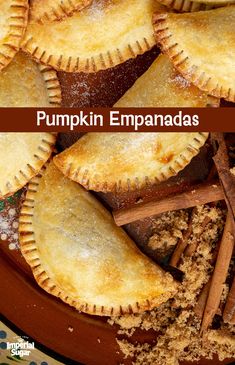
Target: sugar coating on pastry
x=13, y=21
x=22, y=157
x=201, y=45
x=25, y=83
x=163, y=86
x=124, y=161
x=101, y=36
x=78, y=254
x=51, y=10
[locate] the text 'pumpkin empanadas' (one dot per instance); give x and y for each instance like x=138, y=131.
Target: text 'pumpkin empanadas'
x=103, y=35
x=13, y=21
x=123, y=161
x=50, y=10
x=78, y=254
x=202, y=47
x=22, y=157
x=162, y=86
x=24, y=83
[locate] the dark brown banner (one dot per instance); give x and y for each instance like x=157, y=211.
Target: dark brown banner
x=117, y=120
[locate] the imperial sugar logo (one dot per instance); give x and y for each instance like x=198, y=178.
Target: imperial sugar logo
x=20, y=347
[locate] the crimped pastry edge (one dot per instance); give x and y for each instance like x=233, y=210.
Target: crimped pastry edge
x=185, y=5
x=64, y=9
x=103, y=61
x=183, y=64
x=17, y=25
x=23, y=176
x=52, y=84
x=30, y=252
x=91, y=182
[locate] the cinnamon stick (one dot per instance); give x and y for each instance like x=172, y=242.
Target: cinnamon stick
x=201, y=194
x=229, y=310
x=227, y=179
x=193, y=246
x=182, y=244
x=219, y=274
x=201, y=303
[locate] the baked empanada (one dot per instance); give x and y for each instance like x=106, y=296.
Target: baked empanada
x=162, y=86
x=13, y=21
x=24, y=83
x=124, y=161
x=78, y=254
x=50, y=10
x=22, y=157
x=103, y=35
x=202, y=47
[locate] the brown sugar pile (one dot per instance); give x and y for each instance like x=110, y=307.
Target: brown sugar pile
x=177, y=326
x=167, y=230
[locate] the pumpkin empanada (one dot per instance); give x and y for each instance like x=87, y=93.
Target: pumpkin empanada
x=162, y=86
x=124, y=161
x=78, y=254
x=50, y=10
x=202, y=47
x=13, y=21
x=24, y=83
x=105, y=34
x=22, y=157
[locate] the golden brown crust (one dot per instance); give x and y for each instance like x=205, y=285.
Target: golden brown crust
x=25, y=83
x=204, y=69
x=14, y=175
x=62, y=288
x=162, y=86
x=108, y=175
x=85, y=40
x=51, y=10
x=16, y=12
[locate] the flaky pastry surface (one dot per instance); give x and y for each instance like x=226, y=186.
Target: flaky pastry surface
x=105, y=34
x=13, y=21
x=22, y=156
x=78, y=254
x=162, y=86
x=51, y=10
x=201, y=45
x=125, y=161
x=24, y=83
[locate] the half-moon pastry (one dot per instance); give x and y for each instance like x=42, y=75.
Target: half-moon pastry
x=78, y=254
x=201, y=45
x=13, y=21
x=24, y=83
x=103, y=35
x=124, y=161
x=22, y=157
x=162, y=86
x=50, y=10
